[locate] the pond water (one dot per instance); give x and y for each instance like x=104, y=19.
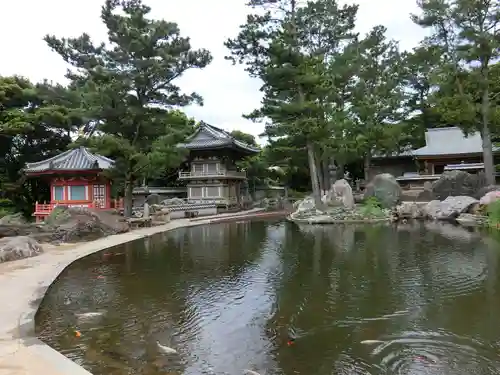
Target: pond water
x=229, y=297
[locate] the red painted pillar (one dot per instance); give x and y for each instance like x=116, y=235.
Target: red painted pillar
x=108, y=194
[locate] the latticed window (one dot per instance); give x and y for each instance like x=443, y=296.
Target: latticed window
x=211, y=167
x=212, y=191
x=196, y=192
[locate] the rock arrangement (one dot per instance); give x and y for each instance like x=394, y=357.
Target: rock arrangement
x=71, y=224
x=449, y=209
x=20, y=239
x=459, y=183
x=457, y=196
x=338, y=206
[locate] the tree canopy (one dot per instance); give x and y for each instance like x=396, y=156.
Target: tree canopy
x=128, y=87
x=332, y=98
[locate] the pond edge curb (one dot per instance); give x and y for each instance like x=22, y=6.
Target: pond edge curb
x=24, y=336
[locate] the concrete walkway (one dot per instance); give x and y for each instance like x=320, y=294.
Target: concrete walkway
x=23, y=284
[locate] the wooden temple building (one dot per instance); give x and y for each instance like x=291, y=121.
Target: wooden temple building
x=213, y=176
x=75, y=179
x=445, y=149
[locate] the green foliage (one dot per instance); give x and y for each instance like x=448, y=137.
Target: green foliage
x=6, y=207
x=493, y=212
x=371, y=208
x=372, y=202
x=465, y=35
x=128, y=89
x=35, y=123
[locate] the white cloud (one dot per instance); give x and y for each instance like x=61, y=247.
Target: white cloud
x=227, y=90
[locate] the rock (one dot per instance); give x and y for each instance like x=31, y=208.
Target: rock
x=340, y=194
x=425, y=196
x=306, y=208
x=12, y=230
x=475, y=209
x=458, y=183
x=72, y=224
x=153, y=199
x=14, y=219
x=409, y=210
x=306, y=204
x=448, y=209
x=490, y=197
x=484, y=190
x=173, y=202
x=13, y=248
x=470, y=220
x=385, y=188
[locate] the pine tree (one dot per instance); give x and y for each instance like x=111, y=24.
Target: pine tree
x=128, y=88
x=466, y=33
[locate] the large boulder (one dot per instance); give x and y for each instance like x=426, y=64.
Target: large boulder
x=72, y=224
x=450, y=208
x=13, y=248
x=485, y=190
x=458, y=183
x=306, y=208
x=409, y=210
x=340, y=194
x=490, y=197
x=385, y=188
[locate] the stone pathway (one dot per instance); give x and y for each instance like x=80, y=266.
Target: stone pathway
x=24, y=283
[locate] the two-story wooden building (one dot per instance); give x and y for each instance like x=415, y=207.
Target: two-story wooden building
x=213, y=176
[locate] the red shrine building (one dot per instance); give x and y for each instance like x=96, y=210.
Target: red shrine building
x=75, y=179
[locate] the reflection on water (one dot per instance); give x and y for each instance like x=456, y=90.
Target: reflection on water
x=380, y=299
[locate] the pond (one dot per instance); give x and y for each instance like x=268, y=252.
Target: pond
x=276, y=298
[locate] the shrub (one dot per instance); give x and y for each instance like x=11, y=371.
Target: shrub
x=372, y=208
x=372, y=202
x=493, y=212
x=6, y=207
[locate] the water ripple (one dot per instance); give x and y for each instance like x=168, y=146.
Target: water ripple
x=282, y=301
x=435, y=353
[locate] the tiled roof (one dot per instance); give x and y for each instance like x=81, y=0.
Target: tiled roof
x=449, y=141
x=76, y=159
x=208, y=136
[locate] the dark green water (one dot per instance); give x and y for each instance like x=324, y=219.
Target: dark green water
x=227, y=297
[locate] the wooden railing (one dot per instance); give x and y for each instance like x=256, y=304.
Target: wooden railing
x=44, y=209
x=235, y=174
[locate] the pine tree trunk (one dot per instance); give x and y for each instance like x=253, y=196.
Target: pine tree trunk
x=489, y=166
x=319, y=171
x=325, y=165
x=367, y=166
x=127, y=199
x=314, y=174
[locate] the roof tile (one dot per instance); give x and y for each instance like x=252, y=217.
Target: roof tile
x=76, y=159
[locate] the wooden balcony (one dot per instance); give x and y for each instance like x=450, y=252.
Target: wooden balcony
x=215, y=175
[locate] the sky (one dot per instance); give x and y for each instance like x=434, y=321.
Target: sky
x=227, y=90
